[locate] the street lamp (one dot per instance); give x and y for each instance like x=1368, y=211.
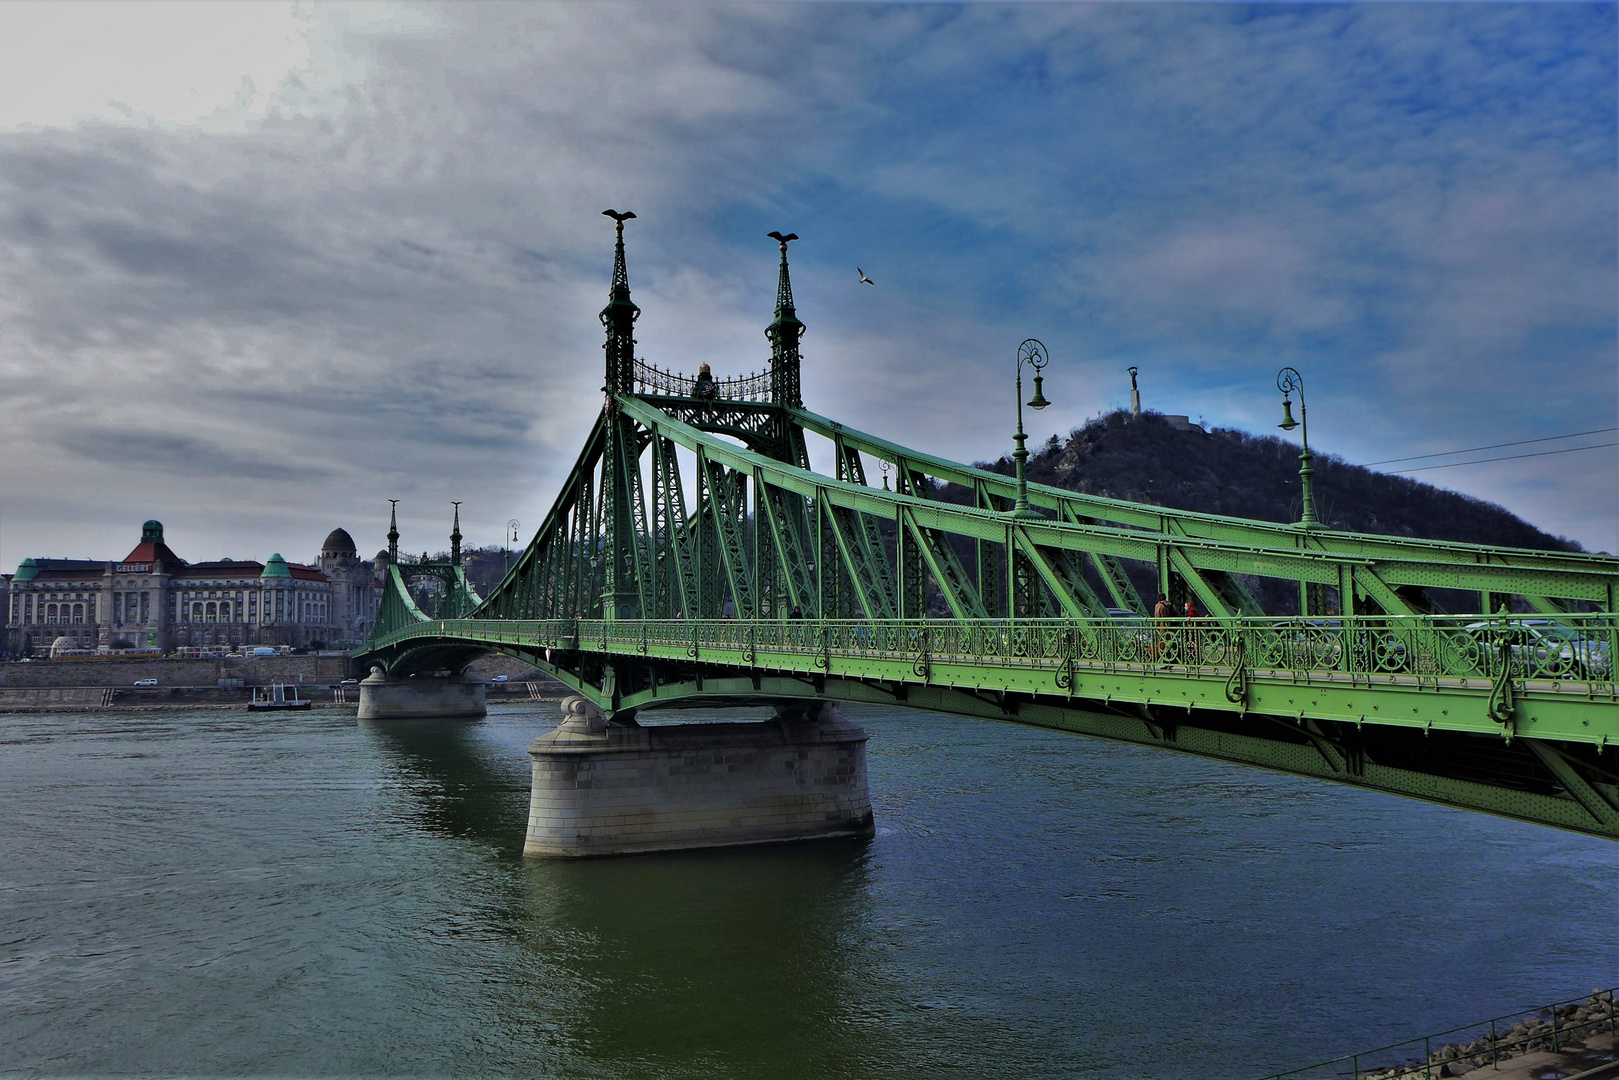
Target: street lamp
x=505, y=546
x=1289, y=381
x=1033, y=353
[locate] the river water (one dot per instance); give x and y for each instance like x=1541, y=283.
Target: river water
x=214, y=893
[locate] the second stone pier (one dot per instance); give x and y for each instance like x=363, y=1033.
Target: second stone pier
x=609, y=790
x=385, y=697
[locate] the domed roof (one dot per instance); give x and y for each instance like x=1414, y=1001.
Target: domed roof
x=382, y=557
x=152, y=531
x=339, y=542
x=27, y=571
x=276, y=567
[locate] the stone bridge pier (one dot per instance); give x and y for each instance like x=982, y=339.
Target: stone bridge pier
x=393, y=697
x=603, y=789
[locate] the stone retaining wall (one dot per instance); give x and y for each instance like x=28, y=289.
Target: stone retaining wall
x=252, y=670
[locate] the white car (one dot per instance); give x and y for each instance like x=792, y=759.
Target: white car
x=145, y=682
x=1545, y=648
x=499, y=678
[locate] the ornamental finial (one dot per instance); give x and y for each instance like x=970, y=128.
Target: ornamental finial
x=783, y=333
x=455, y=537
x=393, y=530
x=619, y=316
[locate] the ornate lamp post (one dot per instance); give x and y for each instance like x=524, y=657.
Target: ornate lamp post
x=505, y=548
x=1289, y=381
x=1033, y=353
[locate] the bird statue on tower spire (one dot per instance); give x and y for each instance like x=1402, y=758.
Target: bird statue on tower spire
x=455, y=537
x=619, y=316
x=783, y=334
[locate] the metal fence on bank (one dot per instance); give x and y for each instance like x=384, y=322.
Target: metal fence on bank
x=1559, y=1027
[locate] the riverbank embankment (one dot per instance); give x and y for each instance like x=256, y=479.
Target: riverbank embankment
x=1570, y=1040
x=69, y=685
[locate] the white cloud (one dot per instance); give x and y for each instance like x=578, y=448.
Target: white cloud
x=381, y=270
x=168, y=63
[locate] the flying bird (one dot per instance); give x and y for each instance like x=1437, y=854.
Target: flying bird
x=864, y=280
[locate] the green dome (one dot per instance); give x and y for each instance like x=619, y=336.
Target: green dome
x=152, y=532
x=276, y=567
x=27, y=571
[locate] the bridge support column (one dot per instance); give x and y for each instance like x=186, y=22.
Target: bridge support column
x=387, y=697
x=607, y=790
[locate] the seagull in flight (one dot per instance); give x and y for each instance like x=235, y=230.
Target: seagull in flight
x=864, y=280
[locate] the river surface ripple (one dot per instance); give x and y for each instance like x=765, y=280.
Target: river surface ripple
x=214, y=893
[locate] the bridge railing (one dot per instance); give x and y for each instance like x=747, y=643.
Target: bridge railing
x=653, y=380
x=1572, y=647
x=1577, y=648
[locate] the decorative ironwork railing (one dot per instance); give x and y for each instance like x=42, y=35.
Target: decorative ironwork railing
x=653, y=380
x=1571, y=648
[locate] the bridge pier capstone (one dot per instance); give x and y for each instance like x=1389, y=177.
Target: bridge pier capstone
x=602, y=789
x=388, y=697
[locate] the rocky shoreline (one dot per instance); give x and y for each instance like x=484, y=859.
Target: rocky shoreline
x=1563, y=1029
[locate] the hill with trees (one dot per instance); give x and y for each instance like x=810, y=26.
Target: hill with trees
x=1148, y=459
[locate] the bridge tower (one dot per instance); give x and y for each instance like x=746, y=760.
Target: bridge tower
x=622, y=503
x=455, y=537
x=786, y=390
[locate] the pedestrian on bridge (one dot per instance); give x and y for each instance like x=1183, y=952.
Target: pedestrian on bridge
x=1161, y=614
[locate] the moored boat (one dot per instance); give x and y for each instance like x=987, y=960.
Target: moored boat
x=275, y=697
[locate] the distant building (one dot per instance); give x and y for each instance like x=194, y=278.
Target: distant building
x=153, y=599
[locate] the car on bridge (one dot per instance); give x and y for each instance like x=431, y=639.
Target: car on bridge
x=1312, y=644
x=1546, y=648
x=145, y=682
x=1134, y=629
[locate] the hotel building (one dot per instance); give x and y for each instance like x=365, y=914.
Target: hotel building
x=153, y=599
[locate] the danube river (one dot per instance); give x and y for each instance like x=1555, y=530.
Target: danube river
x=214, y=893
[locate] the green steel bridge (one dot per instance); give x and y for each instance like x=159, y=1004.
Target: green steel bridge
x=694, y=556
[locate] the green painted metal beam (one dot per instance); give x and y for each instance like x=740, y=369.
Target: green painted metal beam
x=1567, y=569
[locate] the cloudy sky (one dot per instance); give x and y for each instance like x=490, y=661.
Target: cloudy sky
x=263, y=267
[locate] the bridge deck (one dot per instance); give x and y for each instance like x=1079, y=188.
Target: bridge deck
x=1429, y=673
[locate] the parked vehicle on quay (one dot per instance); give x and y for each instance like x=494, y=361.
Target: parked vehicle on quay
x=145, y=682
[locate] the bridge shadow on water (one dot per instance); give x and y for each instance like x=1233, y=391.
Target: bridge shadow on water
x=457, y=782
x=736, y=961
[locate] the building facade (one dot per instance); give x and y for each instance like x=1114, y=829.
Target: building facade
x=153, y=599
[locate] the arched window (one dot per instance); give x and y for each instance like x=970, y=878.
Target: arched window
x=78, y=613
x=196, y=612
x=212, y=612
x=50, y=613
